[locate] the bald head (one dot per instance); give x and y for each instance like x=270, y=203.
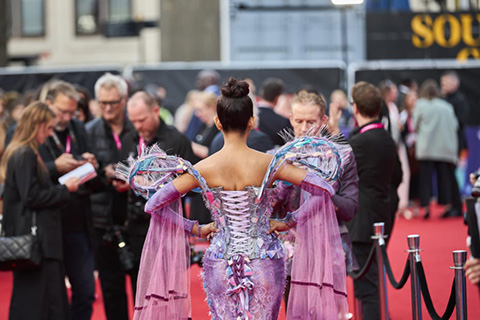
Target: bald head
x=143, y=112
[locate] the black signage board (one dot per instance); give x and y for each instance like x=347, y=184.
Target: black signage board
x=452, y=35
x=178, y=82
x=24, y=81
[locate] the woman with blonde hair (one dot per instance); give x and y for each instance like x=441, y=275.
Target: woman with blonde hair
x=29, y=193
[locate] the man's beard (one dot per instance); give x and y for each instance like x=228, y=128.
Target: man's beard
x=61, y=126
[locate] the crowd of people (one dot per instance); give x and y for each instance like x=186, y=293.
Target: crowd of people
x=401, y=138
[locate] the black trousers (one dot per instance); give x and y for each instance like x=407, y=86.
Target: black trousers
x=447, y=185
x=112, y=278
x=40, y=294
x=366, y=288
x=79, y=266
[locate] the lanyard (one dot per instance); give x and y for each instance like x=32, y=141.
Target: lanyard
x=371, y=127
x=68, y=144
x=141, y=143
x=118, y=142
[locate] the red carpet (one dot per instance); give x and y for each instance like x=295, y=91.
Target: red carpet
x=438, y=238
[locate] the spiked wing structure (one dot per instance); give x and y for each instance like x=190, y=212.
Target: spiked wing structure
x=152, y=170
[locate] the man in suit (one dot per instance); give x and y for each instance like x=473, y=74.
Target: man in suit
x=308, y=111
x=270, y=122
x=377, y=165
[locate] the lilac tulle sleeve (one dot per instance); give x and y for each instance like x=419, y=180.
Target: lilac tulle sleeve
x=318, y=283
x=163, y=286
x=164, y=197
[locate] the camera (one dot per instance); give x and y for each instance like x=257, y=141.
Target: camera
x=196, y=257
x=476, y=186
x=136, y=210
x=117, y=237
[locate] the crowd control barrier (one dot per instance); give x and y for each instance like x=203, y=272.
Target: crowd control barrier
x=413, y=270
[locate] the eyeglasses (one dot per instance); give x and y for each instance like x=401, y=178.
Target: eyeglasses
x=62, y=112
x=113, y=103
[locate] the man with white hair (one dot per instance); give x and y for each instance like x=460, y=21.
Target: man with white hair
x=108, y=205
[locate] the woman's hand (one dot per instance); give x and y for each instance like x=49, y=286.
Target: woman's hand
x=277, y=226
x=207, y=230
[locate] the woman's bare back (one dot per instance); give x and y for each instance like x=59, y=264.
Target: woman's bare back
x=234, y=169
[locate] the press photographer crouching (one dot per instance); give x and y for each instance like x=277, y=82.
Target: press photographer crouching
x=472, y=266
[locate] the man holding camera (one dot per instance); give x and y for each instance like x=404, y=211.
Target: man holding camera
x=143, y=112
x=108, y=205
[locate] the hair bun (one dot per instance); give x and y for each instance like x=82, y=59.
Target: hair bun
x=235, y=89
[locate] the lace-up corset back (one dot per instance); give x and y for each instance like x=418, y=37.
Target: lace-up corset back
x=242, y=225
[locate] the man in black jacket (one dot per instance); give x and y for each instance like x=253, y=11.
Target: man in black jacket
x=64, y=151
x=270, y=122
x=377, y=165
x=143, y=111
x=109, y=206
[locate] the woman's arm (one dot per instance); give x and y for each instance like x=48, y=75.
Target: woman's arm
x=25, y=171
x=157, y=206
x=290, y=173
x=304, y=179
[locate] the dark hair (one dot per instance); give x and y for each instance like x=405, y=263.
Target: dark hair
x=235, y=107
x=82, y=105
x=271, y=89
x=368, y=99
x=429, y=90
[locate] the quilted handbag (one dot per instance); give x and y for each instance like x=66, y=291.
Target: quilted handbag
x=21, y=252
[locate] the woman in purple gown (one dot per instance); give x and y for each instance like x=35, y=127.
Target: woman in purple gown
x=244, y=266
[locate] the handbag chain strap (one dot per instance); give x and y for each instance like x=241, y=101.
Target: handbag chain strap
x=34, y=223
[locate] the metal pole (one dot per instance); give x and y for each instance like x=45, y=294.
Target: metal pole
x=382, y=286
x=357, y=306
x=459, y=258
x=414, y=256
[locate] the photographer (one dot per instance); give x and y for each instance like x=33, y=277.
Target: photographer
x=108, y=206
x=143, y=112
x=472, y=266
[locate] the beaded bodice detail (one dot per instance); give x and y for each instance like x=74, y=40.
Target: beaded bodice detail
x=242, y=223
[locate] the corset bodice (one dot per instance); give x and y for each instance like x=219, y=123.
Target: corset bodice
x=242, y=224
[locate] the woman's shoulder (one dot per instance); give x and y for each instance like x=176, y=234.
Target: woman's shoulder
x=22, y=152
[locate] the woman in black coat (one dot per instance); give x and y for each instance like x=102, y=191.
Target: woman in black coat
x=40, y=293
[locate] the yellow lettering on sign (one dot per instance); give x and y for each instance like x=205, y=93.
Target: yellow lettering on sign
x=466, y=53
x=439, y=30
x=422, y=31
x=467, y=26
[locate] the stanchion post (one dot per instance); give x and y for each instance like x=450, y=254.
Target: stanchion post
x=358, y=309
x=414, y=256
x=459, y=258
x=379, y=228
